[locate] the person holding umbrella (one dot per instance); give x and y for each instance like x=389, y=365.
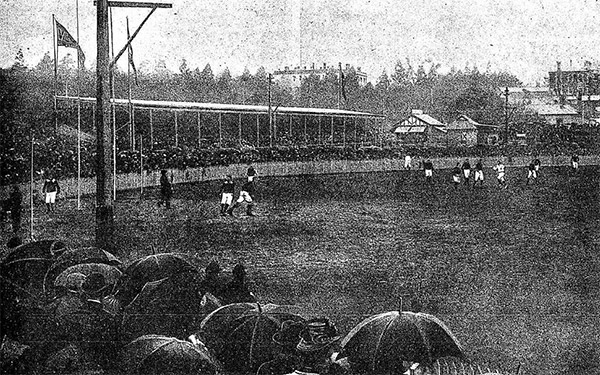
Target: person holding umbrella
x=288, y=359
x=316, y=348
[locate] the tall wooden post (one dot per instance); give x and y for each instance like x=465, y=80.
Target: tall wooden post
x=257, y=131
x=240, y=129
x=220, y=130
x=199, y=131
x=151, y=132
x=104, y=173
x=176, y=131
x=270, y=113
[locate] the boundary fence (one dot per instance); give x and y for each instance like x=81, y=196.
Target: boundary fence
x=131, y=181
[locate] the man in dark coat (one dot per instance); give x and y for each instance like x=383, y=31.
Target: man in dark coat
x=51, y=189
x=166, y=190
x=237, y=289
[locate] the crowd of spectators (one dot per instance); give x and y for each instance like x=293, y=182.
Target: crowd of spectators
x=60, y=158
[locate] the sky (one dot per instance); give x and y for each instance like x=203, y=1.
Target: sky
x=523, y=37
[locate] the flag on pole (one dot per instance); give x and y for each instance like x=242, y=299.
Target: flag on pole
x=65, y=39
x=130, y=56
x=342, y=83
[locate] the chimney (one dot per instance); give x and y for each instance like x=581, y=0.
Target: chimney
x=358, y=68
x=347, y=66
x=312, y=66
x=324, y=65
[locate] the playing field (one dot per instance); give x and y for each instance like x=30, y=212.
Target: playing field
x=514, y=273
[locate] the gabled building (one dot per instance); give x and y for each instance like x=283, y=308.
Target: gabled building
x=420, y=129
x=554, y=113
x=464, y=131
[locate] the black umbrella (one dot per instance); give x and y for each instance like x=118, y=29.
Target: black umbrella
x=381, y=343
x=77, y=256
x=152, y=268
x=154, y=354
x=111, y=275
x=170, y=307
x=25, y=267
x=241, y=334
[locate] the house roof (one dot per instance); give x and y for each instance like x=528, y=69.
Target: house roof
x=545, y=109
x=230, y=108
x=464, y=122
x=428, y=119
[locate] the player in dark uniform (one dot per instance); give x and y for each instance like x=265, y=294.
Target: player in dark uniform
x=246, y=194
x=227, y=190
x=575, y=162
x=466, y=168
x=478, y=173
x=532, y=173
x=428, y=167
x=456, y=176
x=166, y=189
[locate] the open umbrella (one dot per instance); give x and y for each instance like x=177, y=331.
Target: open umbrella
x=241, y=334
x=111, y=274
x=25, y=266
x=77, y=256
x=170, y=307
x=152, y=268
x=381, y=343
x=154, y=354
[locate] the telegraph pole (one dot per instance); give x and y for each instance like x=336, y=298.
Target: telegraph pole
x=104, y=158
x=270, y=112
x=104, y=173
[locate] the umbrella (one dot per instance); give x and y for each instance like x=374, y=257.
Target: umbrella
x=25, y=266
x=111, y=274
x=170, y=306
x=77, y=256
x=152, y=268
x=84, y=320
x=380, y=343
x=241, y=334
x=154, y=354
x=38, y=249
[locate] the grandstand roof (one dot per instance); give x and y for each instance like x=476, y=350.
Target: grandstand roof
x=230, y=108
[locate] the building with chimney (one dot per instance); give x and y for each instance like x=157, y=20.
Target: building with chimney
x=294, y=77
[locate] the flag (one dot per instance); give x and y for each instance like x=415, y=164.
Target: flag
x=65, y=39
x=342, y=83
x=130, y=56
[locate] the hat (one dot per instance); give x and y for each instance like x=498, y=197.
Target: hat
x=289, y=333
x=94, y=284
x=318, y=334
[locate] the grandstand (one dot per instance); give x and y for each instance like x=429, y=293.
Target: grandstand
x=203, y=125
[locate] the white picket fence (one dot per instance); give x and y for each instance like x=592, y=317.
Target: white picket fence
x=152, y=178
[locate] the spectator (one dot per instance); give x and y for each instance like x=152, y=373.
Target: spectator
x=237, y=290
x=575, y=162
x=51, y=189
x=288, y=359
x=212, y=282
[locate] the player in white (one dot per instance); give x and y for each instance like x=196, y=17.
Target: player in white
x=500, y=168
x=407, y=162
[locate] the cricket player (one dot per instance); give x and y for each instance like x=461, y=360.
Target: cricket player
x=466, y=167
x=478, y=173
x=500, y=169
x=246, y=194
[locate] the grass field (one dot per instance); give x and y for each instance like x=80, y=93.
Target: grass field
x=514, y=273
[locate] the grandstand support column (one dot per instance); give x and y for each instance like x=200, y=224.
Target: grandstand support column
x=305, y=134
x=151, y=131
x=332, y=131
x=275, y=128
x=291, y=131
x=240, y=129
x=199, y=131
x=344, y=132
x=257, y=131
x=355, y=133
x=176, y=131
x=220, y=130
x=104, y=173
x=320, y=135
